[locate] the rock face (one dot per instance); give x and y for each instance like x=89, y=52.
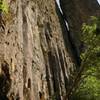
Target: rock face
x=35, y=49
x=36, y=57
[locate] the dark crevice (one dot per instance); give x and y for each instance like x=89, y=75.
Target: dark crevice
x=67, y=36
x=29, y=83
x=52, y=64
x=5, y=81
x=63, y=68
x=54, y=67
x=40, y=94
x=17, y=97
x=2, y=22
x=48, y=80
x=48, y=32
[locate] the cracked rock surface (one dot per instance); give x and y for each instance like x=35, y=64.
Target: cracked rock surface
x=36, y=56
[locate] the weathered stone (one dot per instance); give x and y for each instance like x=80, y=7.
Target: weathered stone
x=35, y=45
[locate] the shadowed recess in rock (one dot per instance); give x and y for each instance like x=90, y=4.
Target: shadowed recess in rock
x=5, y=81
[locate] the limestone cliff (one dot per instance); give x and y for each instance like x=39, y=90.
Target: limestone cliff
x=35, y=52
x=36, y=57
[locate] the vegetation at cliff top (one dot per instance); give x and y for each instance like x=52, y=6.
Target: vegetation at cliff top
x=3, y=6
x=89, y=87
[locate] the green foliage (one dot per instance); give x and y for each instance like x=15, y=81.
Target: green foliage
x=54, y=97
x=92, y=43
x=89, y=88
x=3, y=6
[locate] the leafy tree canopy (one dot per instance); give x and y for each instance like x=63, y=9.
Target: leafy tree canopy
x=89, y=88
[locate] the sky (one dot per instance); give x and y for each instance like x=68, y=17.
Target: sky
x=99, y=1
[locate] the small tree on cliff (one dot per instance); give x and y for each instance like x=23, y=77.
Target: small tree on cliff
x=91, y=55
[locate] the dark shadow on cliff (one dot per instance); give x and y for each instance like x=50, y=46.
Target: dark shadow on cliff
x=5, y=81
x=70, y=46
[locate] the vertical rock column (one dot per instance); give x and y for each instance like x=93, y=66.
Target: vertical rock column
x=35, y=50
